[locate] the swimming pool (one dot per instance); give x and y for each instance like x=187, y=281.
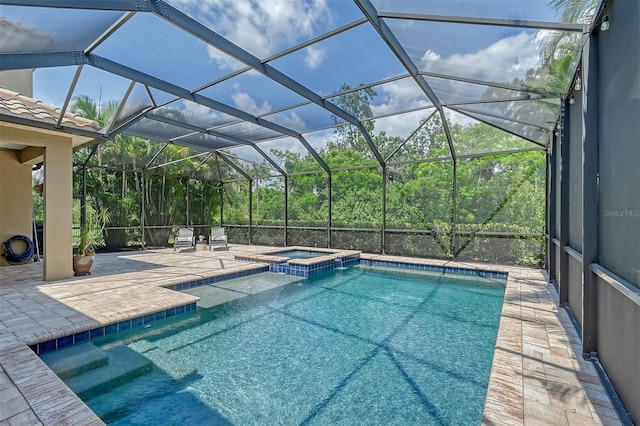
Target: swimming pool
x=365, y=345
x=300, y=254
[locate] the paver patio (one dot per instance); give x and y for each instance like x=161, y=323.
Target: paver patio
x=538, y=374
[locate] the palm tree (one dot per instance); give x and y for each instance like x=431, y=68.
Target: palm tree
x=574, y=10
x=86, y=107
x=560, y=44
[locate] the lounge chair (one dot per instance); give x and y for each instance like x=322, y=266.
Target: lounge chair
x=184, y=239
x=217, y=238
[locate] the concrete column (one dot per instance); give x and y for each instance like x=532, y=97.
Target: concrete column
x=58, y=199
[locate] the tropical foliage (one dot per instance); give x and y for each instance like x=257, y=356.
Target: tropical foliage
x=434, y=206
x=91, y=234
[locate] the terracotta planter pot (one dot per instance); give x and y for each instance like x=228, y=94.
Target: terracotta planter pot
x=82, y=264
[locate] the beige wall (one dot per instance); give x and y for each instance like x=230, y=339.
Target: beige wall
x=20, y=81
x=56, y=149
x=58, y=200
x=15, y=199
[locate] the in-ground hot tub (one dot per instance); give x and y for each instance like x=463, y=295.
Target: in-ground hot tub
x=303, y=261
x=300, y=254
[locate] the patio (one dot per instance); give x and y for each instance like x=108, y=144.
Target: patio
x=538, y=374
x=473, y=131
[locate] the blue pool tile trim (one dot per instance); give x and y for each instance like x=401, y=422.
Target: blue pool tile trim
x=63, y=342
x=435, y=268
x=84, y=336
x=297, y=270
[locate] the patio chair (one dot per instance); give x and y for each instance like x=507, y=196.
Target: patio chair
x=217, y=238
x=184, y=239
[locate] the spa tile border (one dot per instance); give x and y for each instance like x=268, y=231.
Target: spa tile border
x=300, y=269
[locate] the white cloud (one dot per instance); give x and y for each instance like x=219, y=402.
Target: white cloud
x=456, y=118
x=502, y=61
x=397, y=96
x=291, y=120
x=224, y=61
x=196, y=113
x=261, y=27
x=430, y=56
x=246, y=153
x=319, y=140
x=401, y=95
x=284, y=144
x=246, y=103
x=402, y=125
x=314, y=57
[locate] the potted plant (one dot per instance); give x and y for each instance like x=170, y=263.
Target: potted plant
x=85, y=244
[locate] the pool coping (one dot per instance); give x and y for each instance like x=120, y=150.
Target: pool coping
x=145, y=319
x=529, y=366
x=317, y=265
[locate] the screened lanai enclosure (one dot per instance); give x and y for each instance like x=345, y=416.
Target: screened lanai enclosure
x=410, y=128
x=488, y=208
x=499, y=131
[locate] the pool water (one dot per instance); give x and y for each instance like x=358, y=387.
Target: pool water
x=364, y=345
x=300, y=254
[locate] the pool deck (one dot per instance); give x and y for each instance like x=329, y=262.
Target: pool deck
x=538, y=375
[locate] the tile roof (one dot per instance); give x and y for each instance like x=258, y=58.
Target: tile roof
x=17, y=105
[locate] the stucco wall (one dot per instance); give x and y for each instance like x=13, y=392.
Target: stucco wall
x=15, y=199
x=20, y=81
x=58, y=201
x=56, y=149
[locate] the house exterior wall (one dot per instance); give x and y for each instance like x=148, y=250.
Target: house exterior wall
x=58, y=201
x=16, y=206
x=58, y=194
x=20, y=81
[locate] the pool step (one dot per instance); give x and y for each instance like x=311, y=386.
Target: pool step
x=221, y=292
x=147, y=394
x=123, y=363
x=174, y=367
x=171, y=376
x=75, y=360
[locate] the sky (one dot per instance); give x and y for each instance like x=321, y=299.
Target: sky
x=264, y=28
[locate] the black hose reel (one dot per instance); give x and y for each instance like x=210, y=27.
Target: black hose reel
x=18, y=258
